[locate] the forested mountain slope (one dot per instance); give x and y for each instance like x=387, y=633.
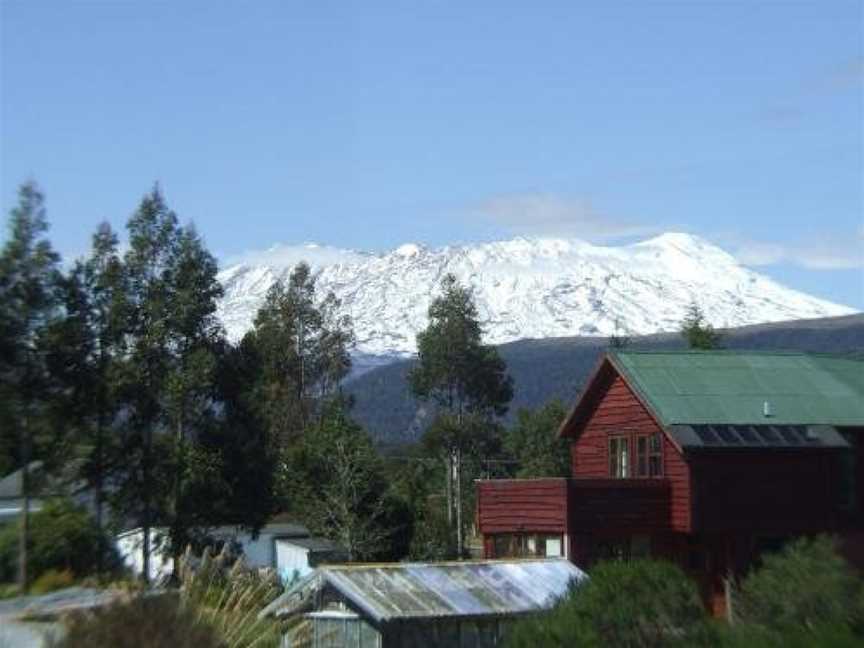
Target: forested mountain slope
x=557, y=367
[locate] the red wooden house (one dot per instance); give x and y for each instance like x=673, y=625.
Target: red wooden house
x=703, y=458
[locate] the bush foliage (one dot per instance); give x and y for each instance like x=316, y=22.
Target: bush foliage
x=806, y=587
x=640, y=603
x=63, y=537
x=142, y=622
x=801, y=597
x=52, y=580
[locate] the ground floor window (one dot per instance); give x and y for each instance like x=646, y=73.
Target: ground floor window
x=528, y=545
x=622, y=548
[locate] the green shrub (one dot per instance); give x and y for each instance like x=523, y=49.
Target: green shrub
x=804, y=586
x=63, y=536
x=638, y=603
x=51, y=580
x=141, y=622
x=822, y=636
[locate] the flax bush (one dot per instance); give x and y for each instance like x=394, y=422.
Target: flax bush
x=228, y=596
x=217, y=605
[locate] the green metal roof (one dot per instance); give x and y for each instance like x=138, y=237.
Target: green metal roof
x=732, y=387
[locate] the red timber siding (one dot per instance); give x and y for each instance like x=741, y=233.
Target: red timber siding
x=618, y=410
x=610, y=506
x=510, y=505
x=765, y=491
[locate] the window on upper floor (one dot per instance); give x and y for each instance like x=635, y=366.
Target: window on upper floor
x=649, y=455
x=619, y=457
x=636, y=455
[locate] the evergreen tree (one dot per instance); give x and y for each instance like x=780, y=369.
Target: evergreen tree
x=28, y=304
x=698, y=333
x=339, y=486
x=195, y=342
x=466, y=379
x=86, y=350
x=244, y=493
x=153, y=233
x=304, y=350
x=619, y=340
x=174, y=345
x=533, y=441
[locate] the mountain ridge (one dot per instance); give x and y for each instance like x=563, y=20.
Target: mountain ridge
x=525, y=288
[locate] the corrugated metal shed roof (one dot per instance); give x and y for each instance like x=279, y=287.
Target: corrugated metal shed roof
x=388, y=592
x=732, y=387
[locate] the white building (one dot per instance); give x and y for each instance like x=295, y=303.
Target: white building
x=286, y=547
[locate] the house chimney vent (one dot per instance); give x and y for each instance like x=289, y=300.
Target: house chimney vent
x=766, y=409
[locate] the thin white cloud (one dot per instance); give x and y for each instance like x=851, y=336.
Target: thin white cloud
x=828, y=252
x=544, y=214
x=288, y=256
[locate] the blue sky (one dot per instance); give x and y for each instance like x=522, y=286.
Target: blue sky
x=366, y=125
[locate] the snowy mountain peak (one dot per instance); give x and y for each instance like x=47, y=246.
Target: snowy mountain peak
x=525, y=288
x=409, y=250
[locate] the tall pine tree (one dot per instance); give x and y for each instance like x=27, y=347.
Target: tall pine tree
x=466, y=379
x=28, y=304
x=152, y=241
x=304, y=346
x=195, y=343
x=86, y=351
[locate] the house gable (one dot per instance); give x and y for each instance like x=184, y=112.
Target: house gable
x=608, y=408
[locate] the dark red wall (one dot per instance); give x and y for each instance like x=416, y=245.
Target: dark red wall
x=625, y=506
x=617, y=410
x=769, y=491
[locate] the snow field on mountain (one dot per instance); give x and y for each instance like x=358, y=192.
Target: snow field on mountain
x=527, y=288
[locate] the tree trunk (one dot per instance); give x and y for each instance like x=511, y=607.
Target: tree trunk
x=145, y=545
x=24, y=537
x=448, y=486
x=175, y=533
x=458, y=470
x=100, y=558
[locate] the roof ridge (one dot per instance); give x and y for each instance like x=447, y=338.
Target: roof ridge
x=435, y=563
x=777, y=352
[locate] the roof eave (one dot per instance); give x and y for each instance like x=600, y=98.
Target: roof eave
x=583, y=396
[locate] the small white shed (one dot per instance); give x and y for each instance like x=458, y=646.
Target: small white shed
x=297, y=557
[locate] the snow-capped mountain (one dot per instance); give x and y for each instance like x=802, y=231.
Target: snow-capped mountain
x=527, y=288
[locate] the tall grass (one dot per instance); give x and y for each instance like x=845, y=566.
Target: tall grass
x=216, y=606
x=228, y=596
